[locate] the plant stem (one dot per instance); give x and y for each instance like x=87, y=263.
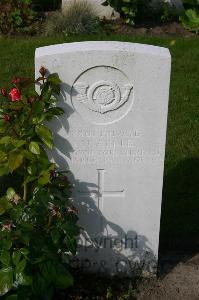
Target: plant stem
x=25, y=192
x=49, y=223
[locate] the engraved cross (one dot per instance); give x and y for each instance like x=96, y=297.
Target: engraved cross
x=100, y=193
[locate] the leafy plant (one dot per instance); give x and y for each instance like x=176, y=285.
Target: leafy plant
x=46, y=5
x=168, y=12
x=131, y=10
x=78, y=17
x=37, y=219
x=190, y=17
x=190, y=4
x=15, y=16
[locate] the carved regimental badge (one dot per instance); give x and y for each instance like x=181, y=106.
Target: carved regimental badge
x=102, y=96
x=101, y=91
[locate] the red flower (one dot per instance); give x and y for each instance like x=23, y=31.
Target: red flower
x=6, y=118
x=3, y=92
x=15, y=95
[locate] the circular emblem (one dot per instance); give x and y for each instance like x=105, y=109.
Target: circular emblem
x=102, y=95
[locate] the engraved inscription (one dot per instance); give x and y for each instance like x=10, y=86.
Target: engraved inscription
x=102, y=95
x=113, y=147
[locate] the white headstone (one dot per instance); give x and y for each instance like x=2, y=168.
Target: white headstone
x=112, y=139
x=101, y=10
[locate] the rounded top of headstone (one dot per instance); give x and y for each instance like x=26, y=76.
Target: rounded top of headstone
x=102, y=46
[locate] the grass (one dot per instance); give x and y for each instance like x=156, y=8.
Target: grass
x=180, y=211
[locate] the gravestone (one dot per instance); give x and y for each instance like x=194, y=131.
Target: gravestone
x=101, y=10
x=112, y=138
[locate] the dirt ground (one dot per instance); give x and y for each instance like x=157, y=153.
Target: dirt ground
x=177, y=281
x=169, y=29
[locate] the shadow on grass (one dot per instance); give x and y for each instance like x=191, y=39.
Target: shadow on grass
x=179, y=234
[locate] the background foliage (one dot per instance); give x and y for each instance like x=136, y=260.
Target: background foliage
x=15, y=16
x=190, y=17
x=140, y=11
x=46, y=5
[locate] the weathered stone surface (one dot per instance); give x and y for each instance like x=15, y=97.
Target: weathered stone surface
x=101, y=11
x=112, y=138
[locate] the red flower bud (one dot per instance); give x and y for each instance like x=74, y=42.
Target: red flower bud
x=42, y=71
x=16, y=80
x=6, y=118
x=3, y=92
x=15, y=95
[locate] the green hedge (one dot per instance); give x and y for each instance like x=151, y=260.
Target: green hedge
x=46, y=5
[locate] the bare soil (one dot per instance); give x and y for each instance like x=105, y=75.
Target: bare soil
x=168, y=29
x=179, y=283
x=178, y=279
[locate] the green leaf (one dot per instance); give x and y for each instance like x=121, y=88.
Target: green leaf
x=34, y=148
x=71, y=244
x=46, y=92
x=16, y=256
x=70, y=229
x=21, y=266
x=29, y=155
x=64, y=279
x=24, y=251
x=10, y=193
x=22, y=279
x=6, y=280
x=57, y=274
x=5, y=140
x=30, y=179
x=54, y=111
x=15, y=160
x=55, y=82
x=18, y=143
x=2, y=155
x=32, y=169
x=16, y=105
x=7, y=244
x=55, y=235
x=38, y=119
x=190, y=20
x=38, y=107
x=3, y=126
x=5, y=257
x=4, y=170
x=45, y=135
x=44, y=177
x=4, y=205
